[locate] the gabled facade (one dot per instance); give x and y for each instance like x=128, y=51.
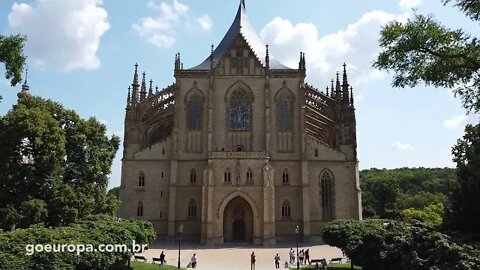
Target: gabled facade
x=240, y=148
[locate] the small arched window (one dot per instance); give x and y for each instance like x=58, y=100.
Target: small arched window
x=227, y=176
x=249, y=176
x=286, y=209
x=285, y=179
x=140, y=209
x=192, y=209
x=141, y=179
x=193, y=176
x=326, y=195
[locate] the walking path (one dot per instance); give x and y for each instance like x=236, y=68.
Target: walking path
x=235, y=257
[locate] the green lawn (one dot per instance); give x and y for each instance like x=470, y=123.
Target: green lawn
x=341, y=266
x=146, y=266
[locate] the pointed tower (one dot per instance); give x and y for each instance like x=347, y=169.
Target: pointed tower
x=338, y=89
x=25, y=88
x=345, y=86
x=150, y=89
x=143, y=91
x=135, y=86
x=129, y=99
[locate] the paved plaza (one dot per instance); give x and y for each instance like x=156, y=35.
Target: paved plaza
x=235, y=257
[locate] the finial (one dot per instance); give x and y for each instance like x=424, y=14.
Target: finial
x=156, y=89
x=351, y=96
x=143, y=90
x=150, y=89
x=128, y=97
x=267, y=57
x=26, y=75
x=327, y=91
x=242, y=3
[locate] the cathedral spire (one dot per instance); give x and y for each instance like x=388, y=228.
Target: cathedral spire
x=332, y=89
x=150, y=89
x=143, y=91
x=212, y=58
x=242, y=4
x=135, y=86
x=129, y=100
x=351, y=97
x=267, y=58
x=345, y=85
x=338, y=93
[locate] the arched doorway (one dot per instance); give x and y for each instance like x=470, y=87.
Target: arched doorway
x=238, y=221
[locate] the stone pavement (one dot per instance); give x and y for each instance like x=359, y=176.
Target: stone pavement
x=234, y=257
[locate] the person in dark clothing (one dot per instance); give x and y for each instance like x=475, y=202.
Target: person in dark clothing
x=252, y=261
x=307, y=256
x=162, y=258
x=277, y=261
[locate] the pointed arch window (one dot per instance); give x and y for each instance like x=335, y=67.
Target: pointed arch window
x=140, y=209
x=326, y=195
x=192, y=209
x=286, y=209
x=227, y=176
x=141, y=179
x=194, y=111
x=193, y=176
x=285, y=111
x=239, y=111
x=249, y=176
x=285, y=177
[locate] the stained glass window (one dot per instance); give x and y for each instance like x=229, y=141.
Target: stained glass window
x=326, y=195
x=285, y=112
x=239, y=111
x=286, y=209
x=194, y=111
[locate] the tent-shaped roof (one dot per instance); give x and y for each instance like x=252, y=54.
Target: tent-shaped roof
x=241, y=25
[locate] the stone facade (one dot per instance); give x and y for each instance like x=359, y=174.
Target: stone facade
x=240, y=148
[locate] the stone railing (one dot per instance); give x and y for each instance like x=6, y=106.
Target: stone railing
x=239, y=155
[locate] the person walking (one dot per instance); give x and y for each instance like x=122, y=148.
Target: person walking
x=252, y=261
x=291, y=256
x=194, y=261
x=307, y=257
x=162, y=258
x=277, y=261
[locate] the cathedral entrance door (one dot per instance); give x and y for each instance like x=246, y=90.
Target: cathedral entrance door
x=239, y=230
x=238, y=221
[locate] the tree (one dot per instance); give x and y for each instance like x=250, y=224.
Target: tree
x=381, y=195
x=464, y=213
x=50, y=155
x=395, y=245
x=11, y=54
x=423, y=50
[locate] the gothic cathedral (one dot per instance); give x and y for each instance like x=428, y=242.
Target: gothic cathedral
x=240, y=148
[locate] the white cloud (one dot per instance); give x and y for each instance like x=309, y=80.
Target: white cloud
x=357, y=45
x=409, y=4
x=205, y=22
x=403, y=147
x=160, y=30
x=64, y=35
x=456, y=122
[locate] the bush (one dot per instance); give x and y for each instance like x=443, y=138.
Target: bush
x=392, y=245
x=94, y=230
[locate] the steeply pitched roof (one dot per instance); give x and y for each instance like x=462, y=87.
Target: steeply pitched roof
x=241, y=25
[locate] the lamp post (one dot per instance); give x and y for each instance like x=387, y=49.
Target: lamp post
x=179, y=233
x=297, y=232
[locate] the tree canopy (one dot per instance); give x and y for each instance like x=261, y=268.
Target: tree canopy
x=424, y=50
x=54, y=165
x=11, y=54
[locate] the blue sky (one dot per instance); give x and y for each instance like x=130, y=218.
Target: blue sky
x=81, y=54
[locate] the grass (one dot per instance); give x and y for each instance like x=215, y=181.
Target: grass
x=146, y=266
x=339, y=266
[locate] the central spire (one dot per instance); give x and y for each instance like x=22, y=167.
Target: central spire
x=240, y=26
